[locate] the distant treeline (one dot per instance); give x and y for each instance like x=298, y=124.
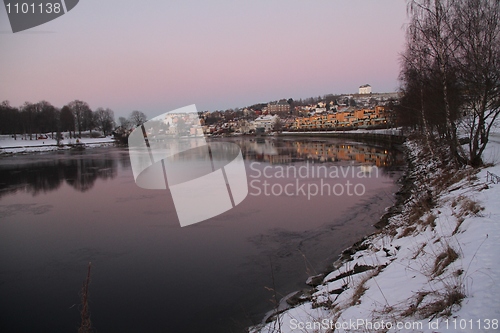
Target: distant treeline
x=75, y=117
x=43, y=117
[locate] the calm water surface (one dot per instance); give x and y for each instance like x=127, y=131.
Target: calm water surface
x=60, y=210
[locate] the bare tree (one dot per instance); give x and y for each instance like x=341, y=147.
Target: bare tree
x=432, y=36
x=452, y=63
x=79, y=108
x=46, y=118
x=67, y=120
x=10, y=119
x=89, y=121
x=105, y=120
x=28, y=111
x=278, y=125
x=124, y=123
x=137, y=118
x=476, y=26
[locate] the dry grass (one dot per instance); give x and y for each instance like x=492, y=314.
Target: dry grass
x=86, y=324
x=443, y=306
x=459, y=223
x=416, y=215
x=358, y=292
x=450, y=176
x=419, y=251
x=443, y=260
x=361, y=287
x=430, y=221
x=470, y=207
x=420, y=208
x=415, y=307
x=466, y=207
x=407, y=231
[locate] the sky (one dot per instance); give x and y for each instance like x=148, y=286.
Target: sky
x=159, y=55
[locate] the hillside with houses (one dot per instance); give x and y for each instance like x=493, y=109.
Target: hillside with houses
x=365, y=110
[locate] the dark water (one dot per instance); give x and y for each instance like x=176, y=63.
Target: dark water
x=60, y=210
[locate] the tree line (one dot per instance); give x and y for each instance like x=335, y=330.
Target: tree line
x=75, y=117
x=450, y=74
x=43, y=117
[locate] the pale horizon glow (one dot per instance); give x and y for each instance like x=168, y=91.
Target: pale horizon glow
x=157, y=56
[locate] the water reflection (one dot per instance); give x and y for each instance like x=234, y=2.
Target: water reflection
x=39, y=175
x=35, y=176
x=277, y=151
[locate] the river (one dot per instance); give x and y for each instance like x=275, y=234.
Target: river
x=61, y=210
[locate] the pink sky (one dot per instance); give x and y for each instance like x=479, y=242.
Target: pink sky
x=156, y=56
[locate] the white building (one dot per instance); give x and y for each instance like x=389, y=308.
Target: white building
x=365, y=89
x=266, y=122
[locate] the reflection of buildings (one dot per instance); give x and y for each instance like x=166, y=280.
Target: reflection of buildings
x=343, y=152
x=286, y=151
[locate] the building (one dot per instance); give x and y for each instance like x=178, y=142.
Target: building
x=345, y=117
x=365, y=89
x=265, y=123
x=281, y=106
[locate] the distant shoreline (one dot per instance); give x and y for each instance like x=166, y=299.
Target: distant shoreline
x=50, y=147
x=10, y=145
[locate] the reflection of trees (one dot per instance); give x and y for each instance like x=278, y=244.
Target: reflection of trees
x=124, y=160
x=82, y=173
x=40, y=177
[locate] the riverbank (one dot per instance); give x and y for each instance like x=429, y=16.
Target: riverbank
x=433, y=265
x=9, y=145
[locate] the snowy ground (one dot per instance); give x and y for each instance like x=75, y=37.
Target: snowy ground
x=9, y=145
x=434, y=268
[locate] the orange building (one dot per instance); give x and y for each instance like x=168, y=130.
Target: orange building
x=361, y=117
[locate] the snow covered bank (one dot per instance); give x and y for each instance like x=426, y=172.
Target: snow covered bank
x=9, y=145
x=433, y=268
